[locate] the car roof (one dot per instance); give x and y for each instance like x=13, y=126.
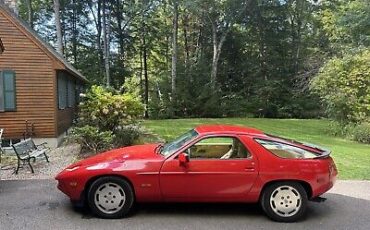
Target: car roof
x=227, y=129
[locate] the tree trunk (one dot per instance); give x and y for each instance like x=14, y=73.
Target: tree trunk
x=29, y=13
x=146, y=79
x=98, y=25
x=174, y=50
x=217, y=47
x=198, y=45
x=262, y=46
x=74, y=31
x=106, y=35
x=58, y=27
x=141, y=75
x=186, y=44
x=118, y=14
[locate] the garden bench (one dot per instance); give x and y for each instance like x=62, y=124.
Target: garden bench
x=27, y=150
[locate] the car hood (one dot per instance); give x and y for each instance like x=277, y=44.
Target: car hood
x=136, y=152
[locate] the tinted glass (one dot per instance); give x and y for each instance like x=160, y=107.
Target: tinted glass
x=284, y=150
x=171, y=147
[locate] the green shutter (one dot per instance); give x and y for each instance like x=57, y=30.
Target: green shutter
x=9, y=90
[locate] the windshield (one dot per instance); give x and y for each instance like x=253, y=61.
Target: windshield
x=171, y=147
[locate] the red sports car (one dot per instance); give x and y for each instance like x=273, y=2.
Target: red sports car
x=211, y=163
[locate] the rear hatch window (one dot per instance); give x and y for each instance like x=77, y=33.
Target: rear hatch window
x=286, y=148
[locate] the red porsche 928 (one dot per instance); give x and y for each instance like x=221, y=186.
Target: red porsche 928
x=211, y=163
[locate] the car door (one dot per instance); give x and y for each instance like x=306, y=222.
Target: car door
x=210, y=174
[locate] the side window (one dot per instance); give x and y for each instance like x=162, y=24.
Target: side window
x=218, y=148
x=284, y=150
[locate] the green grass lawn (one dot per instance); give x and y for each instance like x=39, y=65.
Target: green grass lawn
x=352, y=158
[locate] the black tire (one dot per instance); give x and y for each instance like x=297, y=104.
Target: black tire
x=110, y=197
x=284, y=201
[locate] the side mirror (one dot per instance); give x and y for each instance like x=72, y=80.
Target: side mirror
x=183, y=159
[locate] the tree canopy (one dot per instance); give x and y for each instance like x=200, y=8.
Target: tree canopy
x=214, y=58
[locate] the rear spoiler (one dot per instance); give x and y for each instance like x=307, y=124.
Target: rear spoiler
x=324, y=154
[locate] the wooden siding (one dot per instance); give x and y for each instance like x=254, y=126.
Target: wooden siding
x=35, y=83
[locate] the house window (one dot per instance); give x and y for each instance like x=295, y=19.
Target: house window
x=71, y=93
x=66, y=91
x=7, y=91
x=62, y=91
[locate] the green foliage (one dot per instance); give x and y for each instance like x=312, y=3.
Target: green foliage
x=106, y=118
x=108, y=110
x=346, y=23
x=343, y=85
x=127, y=135
x=337, y=129
x=91, y=138
x=270, y=54
x=361, y=133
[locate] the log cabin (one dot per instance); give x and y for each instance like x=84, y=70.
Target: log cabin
x=39, y=89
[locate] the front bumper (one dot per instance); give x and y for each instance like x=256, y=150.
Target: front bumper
x=72, y=189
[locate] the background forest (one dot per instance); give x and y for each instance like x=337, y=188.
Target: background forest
x=219, y=58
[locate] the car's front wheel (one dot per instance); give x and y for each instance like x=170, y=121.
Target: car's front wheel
x=284, y=201
x=110, y=197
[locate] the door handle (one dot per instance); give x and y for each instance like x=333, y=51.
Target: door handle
x=249, y=169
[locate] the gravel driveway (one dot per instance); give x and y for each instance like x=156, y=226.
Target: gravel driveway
x=59, y=159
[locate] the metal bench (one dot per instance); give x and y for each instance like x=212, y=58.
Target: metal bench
x=26, y=151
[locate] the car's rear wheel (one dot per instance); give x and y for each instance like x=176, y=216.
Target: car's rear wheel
x=284, y=201
x=110, y=197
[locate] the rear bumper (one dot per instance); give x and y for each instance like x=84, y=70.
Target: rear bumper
x=322, y=189
x=322, y=186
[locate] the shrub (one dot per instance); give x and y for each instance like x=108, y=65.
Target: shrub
x=109, y=110
x=343, y=85
x=361, y=133
x=127, y=135
x=92, y=139
x=106, y=118
x=338, y=129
